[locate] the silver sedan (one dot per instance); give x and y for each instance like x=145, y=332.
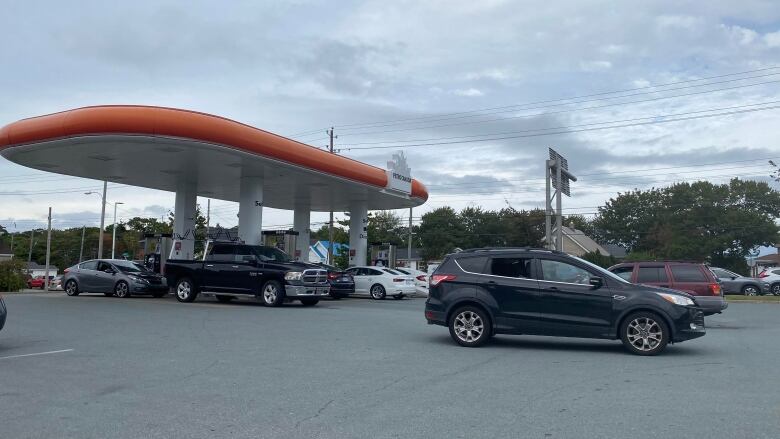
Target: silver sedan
x=113, y=277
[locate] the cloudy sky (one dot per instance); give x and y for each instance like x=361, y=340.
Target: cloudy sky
x=474, y=92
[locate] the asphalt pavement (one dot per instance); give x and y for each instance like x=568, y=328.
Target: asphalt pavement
x=97, y=367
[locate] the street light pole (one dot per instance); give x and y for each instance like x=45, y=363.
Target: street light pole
x=102, y=218
x=81, y=252
x=113, y=237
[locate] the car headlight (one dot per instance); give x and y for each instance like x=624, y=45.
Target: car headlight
x=677, y=300
x=293, y=275
x=140, y=280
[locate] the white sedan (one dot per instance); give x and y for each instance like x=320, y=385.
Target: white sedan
x=420, y=279
x=380, y=282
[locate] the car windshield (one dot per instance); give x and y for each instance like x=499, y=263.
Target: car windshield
x=130, y=267
x=603, y=272
x=266, y=254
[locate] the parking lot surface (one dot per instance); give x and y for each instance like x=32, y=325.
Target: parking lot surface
x=96, y=367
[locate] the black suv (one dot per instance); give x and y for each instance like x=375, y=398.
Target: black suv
x=482, y=292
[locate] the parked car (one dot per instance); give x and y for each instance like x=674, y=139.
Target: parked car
x=420, y=279
x=380, y=282
x=733, y=283
x=113, y=277
x=231, y=270
x=37, y=282
x=56, y=283
x=690, y=277
x=341, y=283
x=772, y=277
x=483, y=292
x=3, y=312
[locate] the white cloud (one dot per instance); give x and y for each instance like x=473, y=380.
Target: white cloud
x=741, y=35
x=772, y=39
x=679, y=21
x=595, y=66
x=469, y=92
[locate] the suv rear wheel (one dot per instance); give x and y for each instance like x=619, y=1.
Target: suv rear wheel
x=644, y=333
x=470, y=326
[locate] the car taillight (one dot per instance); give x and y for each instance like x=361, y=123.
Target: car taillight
x=65, y=271
x=421, y=278
x=436, y=279
x=763, y=274
x=332, y=276
x=715, y=289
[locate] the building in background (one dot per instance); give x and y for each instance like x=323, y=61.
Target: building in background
x=318, y=252
x=35, y=269
x=403, y=260
x=5, y=252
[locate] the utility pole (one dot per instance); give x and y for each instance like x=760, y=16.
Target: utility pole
x=102, y=220
x=557, y=176
x=208, y=221
x=48, y=255
x=113, y=237
x=81, y=252
x=32, y=237
x=409, y=250
x=330, y=223
x=12, y=241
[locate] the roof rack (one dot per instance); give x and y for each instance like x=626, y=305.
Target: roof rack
x=508, y=249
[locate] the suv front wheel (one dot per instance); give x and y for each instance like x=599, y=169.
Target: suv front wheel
x=470, y=326
x=644, y=333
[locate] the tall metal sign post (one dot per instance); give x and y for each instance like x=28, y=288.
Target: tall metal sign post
x=558, y=177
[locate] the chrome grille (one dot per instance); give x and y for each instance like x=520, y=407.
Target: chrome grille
x=315, y=277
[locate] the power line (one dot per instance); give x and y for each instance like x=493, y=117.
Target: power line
x=348, y=126
x=568, y=131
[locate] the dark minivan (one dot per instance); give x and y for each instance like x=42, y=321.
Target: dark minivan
x=481, y=292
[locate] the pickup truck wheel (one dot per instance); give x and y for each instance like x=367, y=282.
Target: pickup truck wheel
x=272, y=293
x=378, y=292
x=309, y=302
x=186, y=290
x=224, y=299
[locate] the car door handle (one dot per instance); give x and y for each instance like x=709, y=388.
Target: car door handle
x=234, y=266
x=553, y=288
x=209, y=265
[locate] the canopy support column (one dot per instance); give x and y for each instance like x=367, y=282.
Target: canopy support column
x=250, y=210
x=301, y=220
x=184, y=219
x=358, y=235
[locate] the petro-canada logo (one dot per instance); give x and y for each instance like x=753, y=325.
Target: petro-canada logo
x=399, y=174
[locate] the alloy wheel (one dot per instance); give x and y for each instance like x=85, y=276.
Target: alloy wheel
x=71, y=288
x=469, y=326
x=121, y=290
x=751, y=291
x=776, y=289
x=183, y=290
x=269, y=294
x=644, y=334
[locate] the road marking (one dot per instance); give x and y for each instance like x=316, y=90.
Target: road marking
x=36, y=354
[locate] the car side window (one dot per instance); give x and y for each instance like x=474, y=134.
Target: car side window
x=221, y=253
x=688, y=273
x=373, y=272
x=624, y=272
x=651, y=274
x=473, y=265
x=352, y=271
x=89, y=265
x=103, y=266
x=558, y=271
x=722, y=274
x=511, y=267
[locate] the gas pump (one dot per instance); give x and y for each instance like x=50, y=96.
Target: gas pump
x=284, y=240
x=383, y=254
x=157, y=247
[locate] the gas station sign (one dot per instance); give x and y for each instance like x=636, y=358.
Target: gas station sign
x=399, y=175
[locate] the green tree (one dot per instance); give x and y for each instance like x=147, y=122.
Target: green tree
x=384, y=226
x=440, y=232
x=700, y=220
x=599, y=259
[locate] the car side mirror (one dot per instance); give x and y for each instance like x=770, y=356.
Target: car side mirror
x=596, y=282
x=733, y=277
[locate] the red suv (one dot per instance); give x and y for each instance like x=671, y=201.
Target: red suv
x=690, y=277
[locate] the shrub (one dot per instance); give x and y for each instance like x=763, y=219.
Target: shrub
x=12, y=277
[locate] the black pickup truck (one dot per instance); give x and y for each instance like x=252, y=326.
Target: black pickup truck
x=232, y=270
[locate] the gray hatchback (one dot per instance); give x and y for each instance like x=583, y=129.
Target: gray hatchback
x=733, y=283
x=113, y=277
